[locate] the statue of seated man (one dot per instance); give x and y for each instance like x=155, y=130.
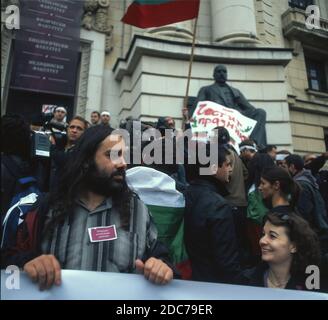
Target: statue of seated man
x=220, y=92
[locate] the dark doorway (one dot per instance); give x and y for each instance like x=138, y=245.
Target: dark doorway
x=29, y=103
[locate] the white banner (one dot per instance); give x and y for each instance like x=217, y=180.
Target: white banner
x=209, y=115
x=89, y=285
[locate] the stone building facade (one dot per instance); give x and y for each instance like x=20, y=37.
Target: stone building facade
x=272, y=57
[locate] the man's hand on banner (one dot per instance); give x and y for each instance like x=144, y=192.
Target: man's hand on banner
x=155, y=270
x=45, y=270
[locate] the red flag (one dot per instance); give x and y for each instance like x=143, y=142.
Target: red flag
x=156, y=13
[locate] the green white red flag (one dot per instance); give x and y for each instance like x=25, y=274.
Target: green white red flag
x=156, y=13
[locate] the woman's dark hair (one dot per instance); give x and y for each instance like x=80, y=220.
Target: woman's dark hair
x=80, y=160
x=289, y=188
x=301, y=234
x=16, y=136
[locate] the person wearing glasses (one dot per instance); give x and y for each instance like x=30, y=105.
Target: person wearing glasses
x=288, y=246
x=279, y=190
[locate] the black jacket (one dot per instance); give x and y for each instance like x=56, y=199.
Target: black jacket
x=255, y=277
x=315, y=165
x=12, y=168
x=59, y=158
x=210, y=236
x=282, y=209
x=310, y=204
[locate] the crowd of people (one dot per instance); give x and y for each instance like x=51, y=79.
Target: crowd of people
x=258, y=217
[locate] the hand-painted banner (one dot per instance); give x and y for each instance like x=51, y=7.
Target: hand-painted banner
x=89, y=285
x=47, y=46
x=209, y=115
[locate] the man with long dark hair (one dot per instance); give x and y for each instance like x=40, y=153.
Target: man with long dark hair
x=93, y=221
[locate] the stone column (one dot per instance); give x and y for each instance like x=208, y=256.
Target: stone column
x=233, y=21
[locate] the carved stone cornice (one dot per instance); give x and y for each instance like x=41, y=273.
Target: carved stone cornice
x=82, y=95
x=95, y=18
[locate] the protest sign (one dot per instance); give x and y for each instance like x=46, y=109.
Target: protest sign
x=90, y=285
x=209, y=115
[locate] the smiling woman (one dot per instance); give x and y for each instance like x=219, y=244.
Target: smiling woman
x=288, y=247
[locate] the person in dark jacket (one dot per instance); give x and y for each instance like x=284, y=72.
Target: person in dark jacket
x=319, y=169
x=315, y=163
x=15, y=156
x=210, y=236
x=60, y=150
x=310, y=204
x=236, y=196
x=288, y=246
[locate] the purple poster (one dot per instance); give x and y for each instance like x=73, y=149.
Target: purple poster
x=47, y=46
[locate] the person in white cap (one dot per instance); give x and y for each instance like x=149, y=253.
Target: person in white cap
x=60, y=114
x=105, y=118
x=58, y=122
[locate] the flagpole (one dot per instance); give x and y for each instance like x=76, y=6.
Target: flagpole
x=185, y=102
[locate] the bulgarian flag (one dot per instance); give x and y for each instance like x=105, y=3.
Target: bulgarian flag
x=166, y=205
x=156, y=13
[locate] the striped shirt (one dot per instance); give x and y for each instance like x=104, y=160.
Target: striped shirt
x=71, y=245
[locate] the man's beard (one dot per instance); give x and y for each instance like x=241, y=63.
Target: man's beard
x=102, y=183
